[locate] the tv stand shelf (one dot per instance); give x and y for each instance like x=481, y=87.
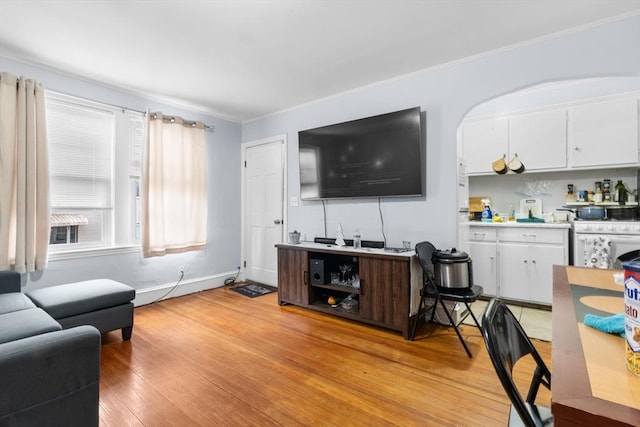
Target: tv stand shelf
x=389, y=283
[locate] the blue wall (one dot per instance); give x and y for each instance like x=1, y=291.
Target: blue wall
x=203, y=269
x=447, y=94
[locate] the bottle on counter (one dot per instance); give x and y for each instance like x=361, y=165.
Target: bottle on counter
x=597, y=195
x=621, y=192
x=512, y=213
x=487, y=215
x=571, y=195
x=606, y=190
x=357, y=242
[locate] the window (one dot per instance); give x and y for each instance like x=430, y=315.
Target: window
x=95, y=155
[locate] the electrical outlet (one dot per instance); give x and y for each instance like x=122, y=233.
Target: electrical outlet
x=181, y=269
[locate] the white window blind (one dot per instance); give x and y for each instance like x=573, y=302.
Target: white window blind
x=81, y=155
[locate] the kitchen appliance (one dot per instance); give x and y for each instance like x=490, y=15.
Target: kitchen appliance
x=622, y=213
x=600, y=243
x=452, y=268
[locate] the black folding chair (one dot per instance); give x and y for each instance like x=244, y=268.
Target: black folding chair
x=438, y=295
x=507, y=343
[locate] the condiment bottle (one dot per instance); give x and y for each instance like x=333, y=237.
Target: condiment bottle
x=571, y=196
x=606, y=190
x=621, y=191
x=597, y=196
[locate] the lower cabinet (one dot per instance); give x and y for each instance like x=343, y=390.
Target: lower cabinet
x=384, y=291
x=383, y=297
x=516, y=263
x=482, y=249
x=293, y=276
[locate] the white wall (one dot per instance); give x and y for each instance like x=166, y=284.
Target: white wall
x=152, y=276
x=447, y=94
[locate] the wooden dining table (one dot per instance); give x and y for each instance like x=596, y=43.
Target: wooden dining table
x=591, y=385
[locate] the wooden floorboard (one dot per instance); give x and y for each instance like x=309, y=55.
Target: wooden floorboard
x=217, y=358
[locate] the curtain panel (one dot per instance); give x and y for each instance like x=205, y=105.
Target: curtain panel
x=24, y=175
x=174, y=193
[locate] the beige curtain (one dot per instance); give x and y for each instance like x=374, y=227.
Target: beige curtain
x=24, y=175
x=174, y=193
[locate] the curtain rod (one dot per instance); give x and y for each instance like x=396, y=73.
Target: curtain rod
x=172, y=119
x=120, y=107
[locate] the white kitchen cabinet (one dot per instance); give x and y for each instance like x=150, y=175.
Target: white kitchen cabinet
x=516, y=262
x=539, y=139
x=484, y=141
x=483, y=252
x=604, y=133
x=485, y=259
x=526, y=259
x=526, y=271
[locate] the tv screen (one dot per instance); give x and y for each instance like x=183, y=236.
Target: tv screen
x=379, y=156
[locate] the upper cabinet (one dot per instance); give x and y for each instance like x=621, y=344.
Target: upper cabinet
x=589, y=135
x=604, y=133
x=484, y=141
x=540, y=139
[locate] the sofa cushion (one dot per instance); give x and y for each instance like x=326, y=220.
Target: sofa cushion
x=26, y=323
x=81, y=297
x=14, y=301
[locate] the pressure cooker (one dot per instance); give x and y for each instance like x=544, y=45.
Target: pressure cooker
x=452, y=268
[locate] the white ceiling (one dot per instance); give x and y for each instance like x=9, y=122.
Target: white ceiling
x=243, y=59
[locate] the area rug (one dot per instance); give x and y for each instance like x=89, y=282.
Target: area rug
x=253, y=290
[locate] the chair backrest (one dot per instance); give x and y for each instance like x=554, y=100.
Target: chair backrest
x=424, y=252
x=507, y=343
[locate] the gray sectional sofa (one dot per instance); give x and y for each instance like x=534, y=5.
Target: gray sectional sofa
x=48, y=376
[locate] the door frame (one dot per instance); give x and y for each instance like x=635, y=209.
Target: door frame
x=285, y=195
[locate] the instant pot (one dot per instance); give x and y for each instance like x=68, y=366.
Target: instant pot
x=452, y=268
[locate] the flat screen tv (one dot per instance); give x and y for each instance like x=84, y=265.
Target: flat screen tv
x=379, y=156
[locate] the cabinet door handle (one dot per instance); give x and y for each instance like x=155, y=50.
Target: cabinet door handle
x=305, y=277
x=525, y=261
x=533, y=261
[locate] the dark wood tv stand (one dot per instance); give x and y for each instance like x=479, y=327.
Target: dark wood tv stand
x=389, y=290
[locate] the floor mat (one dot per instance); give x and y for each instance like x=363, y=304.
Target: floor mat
x=253, y=290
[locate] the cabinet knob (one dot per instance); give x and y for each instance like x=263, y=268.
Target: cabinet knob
x=525, y=261
x=533, y=261
x=576, y=148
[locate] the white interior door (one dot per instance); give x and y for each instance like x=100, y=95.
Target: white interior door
x=263, y=209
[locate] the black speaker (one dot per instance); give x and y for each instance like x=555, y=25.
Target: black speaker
x=319, y=271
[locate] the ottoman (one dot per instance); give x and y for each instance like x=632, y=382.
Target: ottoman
x=102, y=303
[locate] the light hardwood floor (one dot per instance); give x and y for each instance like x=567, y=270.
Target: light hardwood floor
x=217, y=358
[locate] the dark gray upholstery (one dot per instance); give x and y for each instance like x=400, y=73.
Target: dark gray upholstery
x=81, y=297
x=51, y=379
x=9, y=281
x=26, y=323
x=48, y=376
x=14, y=301
x=102, y=303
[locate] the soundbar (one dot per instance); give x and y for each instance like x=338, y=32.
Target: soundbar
x=349, y=242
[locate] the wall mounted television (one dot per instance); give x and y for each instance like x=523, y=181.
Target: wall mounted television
x=378, y=156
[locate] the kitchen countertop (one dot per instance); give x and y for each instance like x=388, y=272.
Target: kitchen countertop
x=514, y=224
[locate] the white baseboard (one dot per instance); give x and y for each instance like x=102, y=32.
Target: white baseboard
x=185, y=287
